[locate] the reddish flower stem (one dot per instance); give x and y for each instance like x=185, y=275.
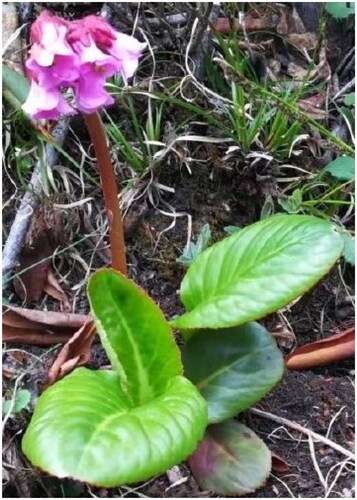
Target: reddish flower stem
x=99, y=139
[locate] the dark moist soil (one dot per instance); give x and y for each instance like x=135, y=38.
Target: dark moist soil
x=311, y=398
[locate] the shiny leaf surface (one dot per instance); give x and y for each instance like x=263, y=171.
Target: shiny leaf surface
x=257, y=271
x=135, y=334
x=85, y=427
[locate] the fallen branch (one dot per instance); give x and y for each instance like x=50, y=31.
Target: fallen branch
x=303, y=430
x=226, y=26
x=30, y=201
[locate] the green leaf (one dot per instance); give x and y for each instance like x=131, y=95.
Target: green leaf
x=231, y=460
x=22, y=400
x=192, y=251
x=85, y=427
x=340, y=10
x=350, y=99
x=343, y=168
x=292, y=204
x=231, y=229
x=349, y=248
x=232, y=368
x=257, y=271
x=135, y=334
x=16, y=83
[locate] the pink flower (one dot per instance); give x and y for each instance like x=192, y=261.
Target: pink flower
x=46, y=104
x=127, y=50
x=80, y=55
x=92, y=28
x=48, y=33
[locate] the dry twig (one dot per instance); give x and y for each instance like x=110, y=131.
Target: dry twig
x=303, y=430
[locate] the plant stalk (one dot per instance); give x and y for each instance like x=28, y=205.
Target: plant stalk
x=107, y=177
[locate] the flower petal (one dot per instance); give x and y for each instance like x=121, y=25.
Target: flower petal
x=44, y=103
x=90, y=93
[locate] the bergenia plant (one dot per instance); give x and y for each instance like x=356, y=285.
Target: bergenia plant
x=157, y=406
x=111, y=427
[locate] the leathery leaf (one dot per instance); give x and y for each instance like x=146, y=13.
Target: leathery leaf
x=257, y=271
x=86, y=428
x=232, y=368
x=231, y=460
x=125, y=425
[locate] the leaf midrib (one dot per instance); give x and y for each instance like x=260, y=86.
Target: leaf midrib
x=98, y=429
x=203, y=383
x=148, y=393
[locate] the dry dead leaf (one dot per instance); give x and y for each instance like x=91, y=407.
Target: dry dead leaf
x=289, y=21
x=42, y=238
x=28, y=326
x=303, y=41
x=278, y=463
x=296, y=71
x=312, y=106
x=76, y=352
x=335, y=348
x=30, y=284
x=320, y=73
x=54, y=289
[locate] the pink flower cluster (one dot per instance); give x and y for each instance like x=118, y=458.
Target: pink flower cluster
x=79, y=55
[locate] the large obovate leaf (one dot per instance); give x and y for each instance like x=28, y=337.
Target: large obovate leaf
x=257, y=271
x=231, y=460
x=232, y=368
x=86, y=428
x=114, y=427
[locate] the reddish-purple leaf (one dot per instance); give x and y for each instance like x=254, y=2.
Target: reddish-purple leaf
x=230, y=460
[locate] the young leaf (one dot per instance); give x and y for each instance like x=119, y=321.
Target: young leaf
x=231, y=460
x=231, y=229
x=340, y=10
x=134, y=333
x=113, y=427
x=349, y=251
x=350, y=99
x=22, y=400
x=292, y=204
x=85, y=427
x=257, y=271
x=232, y=368
x=192, y=251
x=343, y=168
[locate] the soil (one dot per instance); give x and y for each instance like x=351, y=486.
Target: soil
x=221, y=195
